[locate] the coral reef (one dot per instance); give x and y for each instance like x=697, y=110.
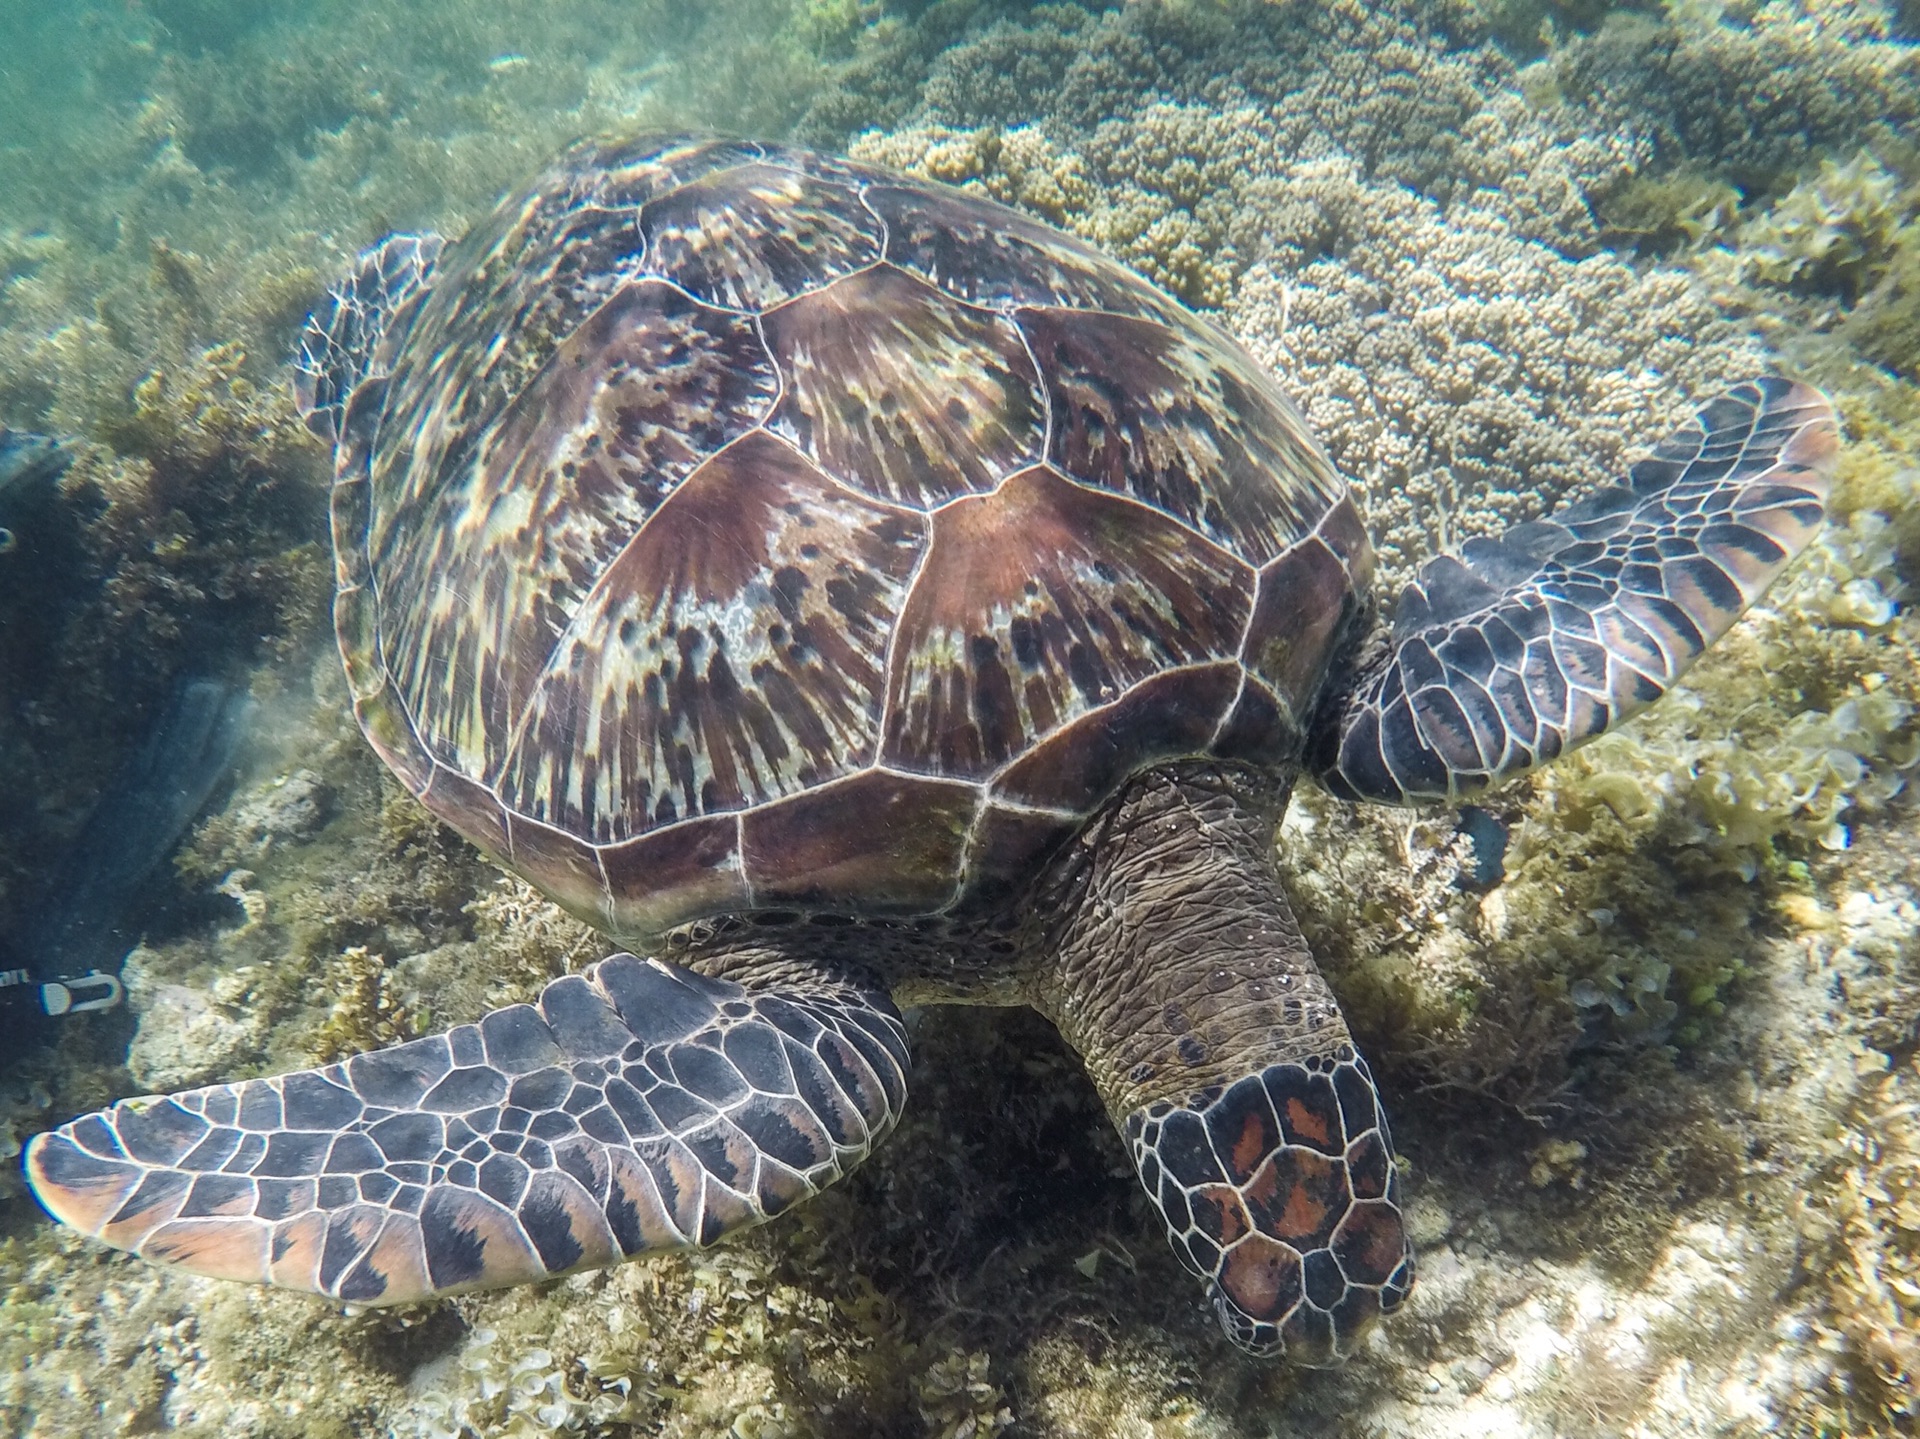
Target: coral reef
x=1653, y=1082
x=1754, y=104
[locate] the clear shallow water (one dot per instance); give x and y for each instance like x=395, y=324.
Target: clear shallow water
x=1628, y=1078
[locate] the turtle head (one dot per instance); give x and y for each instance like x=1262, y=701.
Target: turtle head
x=1279, y=1191
x=355, y=331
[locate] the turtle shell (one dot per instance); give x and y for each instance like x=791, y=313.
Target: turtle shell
x=732, y=527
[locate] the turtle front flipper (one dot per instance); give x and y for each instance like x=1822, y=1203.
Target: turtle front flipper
x=639, y=1106
x=364, y=317
x=1522, y=647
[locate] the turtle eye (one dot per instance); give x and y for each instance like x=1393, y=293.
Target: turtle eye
x=1280, y=1192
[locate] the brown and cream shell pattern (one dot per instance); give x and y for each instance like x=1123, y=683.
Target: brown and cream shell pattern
x=729, y=527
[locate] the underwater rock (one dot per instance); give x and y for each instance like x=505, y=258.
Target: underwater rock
x=184, y=1035
x=291, y=807
x=1488, y=836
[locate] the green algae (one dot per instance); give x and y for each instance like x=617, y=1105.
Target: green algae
x=1568, y=1055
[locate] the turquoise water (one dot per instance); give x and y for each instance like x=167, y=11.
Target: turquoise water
x=1650, y=1070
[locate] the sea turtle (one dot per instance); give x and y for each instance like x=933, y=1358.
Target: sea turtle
x=856, y=594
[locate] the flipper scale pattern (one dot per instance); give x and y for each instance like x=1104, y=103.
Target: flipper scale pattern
x=638, y=1106
x=1523, y=647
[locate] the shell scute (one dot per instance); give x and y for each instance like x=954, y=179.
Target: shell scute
x=1174, y=713
x=754, y=236
x=565, y=866
x=471, y=808
x=659, y=878
x=1039, y=603
x=625, y=173
x=900, y=391
x=503, y=301
x=1293, y=625
x=1180, y=418
x=987, y=254
x=732, y=653
x=491, y=570
x=895, y=838
x=1259, y=730
x=1007, y=847
x=738, y=526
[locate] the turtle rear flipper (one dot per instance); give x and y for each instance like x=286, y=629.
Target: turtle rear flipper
x=341, y=343
x=1523, y=647
x=640, y=1106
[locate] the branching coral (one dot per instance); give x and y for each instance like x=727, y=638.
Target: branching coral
x=1465, y=378
x=1142, y=197
x=1757, y=102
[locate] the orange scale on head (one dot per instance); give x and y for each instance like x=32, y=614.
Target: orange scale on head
x=1218, y=1213
x=1298, y=1196
x=1309, y=1109
x=1256, y=1139
x=1312, y=1123
x=1371, y=1242
x=1261, y=1278
x=1368, y=1166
